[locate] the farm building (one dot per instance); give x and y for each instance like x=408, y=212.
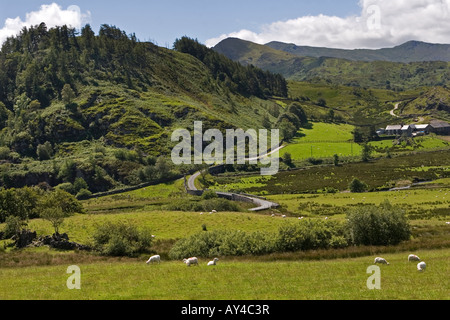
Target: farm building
x=440, y=127
x=394, y=130
x=425, y=128
x=407, y=130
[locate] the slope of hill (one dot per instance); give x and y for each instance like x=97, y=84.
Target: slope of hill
x=434, y=103
x=108, y=104
x=411, y=51
x=375, y=74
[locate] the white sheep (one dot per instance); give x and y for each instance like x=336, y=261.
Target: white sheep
x=214, y=262
x=213, y=211
x=413, y=257
x=191, y=261
x=421, y=266
x=381, y=260
x=153, y=259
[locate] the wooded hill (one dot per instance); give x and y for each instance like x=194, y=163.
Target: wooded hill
x=63, y=94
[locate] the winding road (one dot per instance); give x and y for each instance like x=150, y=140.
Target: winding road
x=262, y=204
x=395, y=109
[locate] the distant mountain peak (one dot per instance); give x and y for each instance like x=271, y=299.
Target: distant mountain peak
x=410, y=51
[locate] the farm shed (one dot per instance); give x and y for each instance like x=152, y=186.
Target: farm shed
x=407, y=130
x=394, y=130
x=440, y=127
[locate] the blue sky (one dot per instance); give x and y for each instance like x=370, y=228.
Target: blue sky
x=164, y=21
x=332, y=23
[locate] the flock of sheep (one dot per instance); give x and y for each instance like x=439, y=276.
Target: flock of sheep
x=188, y=262
x=411, y=258
x=194, y=261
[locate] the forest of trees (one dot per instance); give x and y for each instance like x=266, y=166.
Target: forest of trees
x=245, y=80
x=39, y=62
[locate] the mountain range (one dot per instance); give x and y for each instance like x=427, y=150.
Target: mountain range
x=385, y=68
x=411, y=51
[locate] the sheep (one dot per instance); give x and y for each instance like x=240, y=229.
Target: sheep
x=213, y=211
x=283, y=216
x=381, y=260
x=421, y=266
x=153, y=259
x=191, y=261
x=413, y=257
x=214, y=262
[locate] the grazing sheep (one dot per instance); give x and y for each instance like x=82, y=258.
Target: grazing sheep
x=421, y=266
x=191, y=261
x=153, y=259
x=213, y=211
x=413, y=257
x=381, y=260
x=214, y=262
x=283, y=216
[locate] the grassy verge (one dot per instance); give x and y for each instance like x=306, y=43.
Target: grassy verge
x=341, y=279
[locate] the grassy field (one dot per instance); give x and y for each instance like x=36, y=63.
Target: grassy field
x=236, y=279
x=322, y=140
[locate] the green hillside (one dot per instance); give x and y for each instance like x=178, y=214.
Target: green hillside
x=431, y=103
x=103, y=108
x=376, y=74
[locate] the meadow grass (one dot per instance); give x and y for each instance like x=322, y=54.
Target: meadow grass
x=416, y=199
x=235, y=279
x=165, y=225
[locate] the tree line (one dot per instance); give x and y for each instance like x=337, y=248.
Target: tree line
x=245, y=80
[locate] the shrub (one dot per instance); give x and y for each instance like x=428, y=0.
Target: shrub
x=217, y=204
x=4, y=153
x=67, y=187
x=382, y=225
x=44, y=151
x=60, y=198
x=357, y=186
x=121, y=240
x=209, y=194
x=83, y=194
x=13, y=226
x=225, y=243
x=310, y=234
x=305, y=235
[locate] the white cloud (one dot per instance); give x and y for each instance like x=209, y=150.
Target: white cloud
x=52, y=14
x=381, y=23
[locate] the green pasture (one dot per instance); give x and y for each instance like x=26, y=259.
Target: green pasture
x=236, y=279
x=411, y=200
x=323, y=140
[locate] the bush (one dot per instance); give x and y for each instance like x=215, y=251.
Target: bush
x=223, y=243
x=67, y=187
x=382, y=225
x=357, y=186
x=217, y=204
x=310, y=234
x=306, y=235
x=44, y=151
x=83, y=194
x=121, y=240
x=209, y=194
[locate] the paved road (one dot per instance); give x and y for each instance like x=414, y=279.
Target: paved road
x=393, y=111
x=191, y=181
x=262, y=204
